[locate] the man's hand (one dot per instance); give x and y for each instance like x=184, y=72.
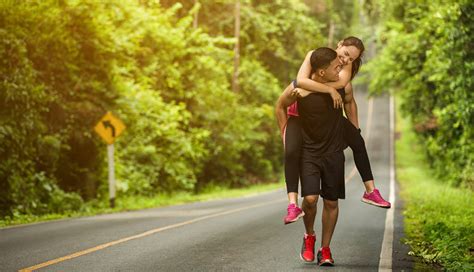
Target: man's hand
x=284, y=101
x=336, y=99
x=300, y=93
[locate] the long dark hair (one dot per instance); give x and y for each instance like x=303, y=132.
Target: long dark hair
x=357, y=43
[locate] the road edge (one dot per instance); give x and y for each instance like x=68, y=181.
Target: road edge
x=385, y=263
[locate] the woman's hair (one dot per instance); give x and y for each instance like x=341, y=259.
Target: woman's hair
x=357, y=43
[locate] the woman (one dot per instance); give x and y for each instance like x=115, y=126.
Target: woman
x=349, y=52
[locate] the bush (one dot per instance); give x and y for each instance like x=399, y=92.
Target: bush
x=439, y=219
x=426, y=55
x=158, y=152
x=65, y=63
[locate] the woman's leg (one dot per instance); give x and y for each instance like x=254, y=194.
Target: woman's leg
x=356, y=143
x=361, y=158
x=293, y=144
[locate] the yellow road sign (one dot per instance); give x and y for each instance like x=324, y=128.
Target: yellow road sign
x=109, y=128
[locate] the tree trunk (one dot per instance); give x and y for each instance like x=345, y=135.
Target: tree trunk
x=331, y=32
x=196, y=15
x=235, y=78
x=330, y=11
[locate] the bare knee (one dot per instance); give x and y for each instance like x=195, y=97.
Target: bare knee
x=331, y=204
x=310, y=201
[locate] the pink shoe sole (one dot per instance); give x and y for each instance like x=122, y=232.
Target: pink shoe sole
x=296, y=219
x=326, y=263
x=309, y=261
x=375, y=203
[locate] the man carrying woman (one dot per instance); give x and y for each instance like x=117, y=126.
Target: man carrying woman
x=295, y=134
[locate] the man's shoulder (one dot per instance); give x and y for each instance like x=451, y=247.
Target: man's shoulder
x=314, y=101
x=313, y=96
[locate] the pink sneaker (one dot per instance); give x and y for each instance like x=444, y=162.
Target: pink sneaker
x=325, y=257
x=294, y=213
x=375, y=199
x=307, y=250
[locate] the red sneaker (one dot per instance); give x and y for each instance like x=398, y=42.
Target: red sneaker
x=294, y=213
x=325, y=257
x=375, y=199
x=307, y=250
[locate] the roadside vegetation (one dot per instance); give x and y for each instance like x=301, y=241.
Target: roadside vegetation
x=195, y=83
x=197, y=104
x=425, y=57
x=130, y=203
x=165, y=74
x=439, y=217
x=424, y=54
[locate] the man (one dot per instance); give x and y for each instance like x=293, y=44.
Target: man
x=322, y=158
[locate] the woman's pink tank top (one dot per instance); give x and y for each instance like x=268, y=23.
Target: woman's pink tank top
x=292, y=110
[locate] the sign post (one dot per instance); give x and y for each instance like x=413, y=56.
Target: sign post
x=109, y=128
x=110, y=156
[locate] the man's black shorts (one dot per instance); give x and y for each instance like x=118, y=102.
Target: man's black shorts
x=323, y=175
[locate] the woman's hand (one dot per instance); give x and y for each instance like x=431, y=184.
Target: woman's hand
x=300, y=93
x=336, y=99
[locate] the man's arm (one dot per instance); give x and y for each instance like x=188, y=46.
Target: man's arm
x=284, y=101
x=350, y=106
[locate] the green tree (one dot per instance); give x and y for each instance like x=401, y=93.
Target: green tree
x=165, y=69
x=425, y=53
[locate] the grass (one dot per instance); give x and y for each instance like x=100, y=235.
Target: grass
x=439, y=218
x=129, y=203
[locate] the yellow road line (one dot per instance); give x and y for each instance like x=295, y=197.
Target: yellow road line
x=150, y=232
x=366, y=137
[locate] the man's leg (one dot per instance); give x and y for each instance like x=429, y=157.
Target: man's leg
x=333, y=188
x=329, y=219
x=330, y=213
x=309, y=208
x=309, y=240
x=310, y=190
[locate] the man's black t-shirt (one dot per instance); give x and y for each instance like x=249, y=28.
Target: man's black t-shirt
x=322, y=124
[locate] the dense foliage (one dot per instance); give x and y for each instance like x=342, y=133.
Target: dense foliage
x=65, y=63
x=426, y=55
x=438, y=217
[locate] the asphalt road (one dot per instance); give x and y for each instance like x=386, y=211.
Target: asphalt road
x=243, y=234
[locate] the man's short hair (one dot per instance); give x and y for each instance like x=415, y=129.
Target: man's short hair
x=321, y=58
